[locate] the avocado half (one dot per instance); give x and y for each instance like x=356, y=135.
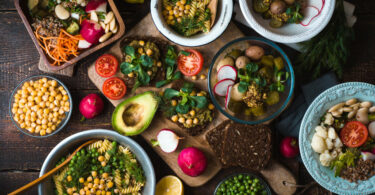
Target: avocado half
x=134, y=115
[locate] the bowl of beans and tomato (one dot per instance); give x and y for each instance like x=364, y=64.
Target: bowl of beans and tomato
x=40, y=106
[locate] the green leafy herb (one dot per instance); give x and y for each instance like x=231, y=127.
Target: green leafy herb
x=186, y=100
x=295, y=13
x=170, y=63
x=101, y=15
x=329, y=50
x=345, y=159
x=185, y=53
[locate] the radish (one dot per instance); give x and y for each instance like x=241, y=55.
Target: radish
x=289, y=147
x=227, y=72
x=90, y=106
x=192, y=161
x=91, y=31
x=221, y=87
x=167, y=140
x=83, y=44
x=97, y=6
x=227, y=97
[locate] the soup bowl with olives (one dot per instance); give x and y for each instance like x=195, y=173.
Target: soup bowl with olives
x=251, y=80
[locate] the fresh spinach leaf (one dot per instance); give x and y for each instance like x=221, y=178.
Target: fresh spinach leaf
x=185, y=53
x=146, y=61
x=183, y=109
x=243, y=86
x=127, y=68
x=170, y=93
x=201, y=101
x=129, y=50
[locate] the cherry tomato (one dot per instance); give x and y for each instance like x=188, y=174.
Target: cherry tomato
x=354, y=134
x=192, y=64
x=114, y=88
x=106, y=65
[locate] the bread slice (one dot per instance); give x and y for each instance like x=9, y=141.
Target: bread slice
x=216, y=137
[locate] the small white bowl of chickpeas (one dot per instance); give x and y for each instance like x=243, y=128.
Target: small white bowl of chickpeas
x=40, y=106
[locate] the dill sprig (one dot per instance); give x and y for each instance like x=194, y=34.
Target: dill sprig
x=329, y=50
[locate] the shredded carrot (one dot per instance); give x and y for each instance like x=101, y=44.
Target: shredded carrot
x=60, y=49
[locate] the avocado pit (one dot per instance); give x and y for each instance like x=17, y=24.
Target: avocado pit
x=133, y=114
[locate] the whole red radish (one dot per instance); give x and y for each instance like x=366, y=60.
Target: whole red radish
x=192, y=161
x=289, y=147
x=91, y=105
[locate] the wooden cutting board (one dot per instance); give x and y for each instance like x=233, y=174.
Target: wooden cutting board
x=146, y=28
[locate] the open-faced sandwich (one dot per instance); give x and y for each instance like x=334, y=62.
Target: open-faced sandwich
x=188, y=106
x=247, y=146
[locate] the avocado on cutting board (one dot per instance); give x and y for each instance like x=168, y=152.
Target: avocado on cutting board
x=147, y=29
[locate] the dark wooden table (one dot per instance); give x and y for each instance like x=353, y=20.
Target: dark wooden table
x=22, y=156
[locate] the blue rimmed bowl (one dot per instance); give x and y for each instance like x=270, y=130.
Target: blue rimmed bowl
x=323, y=175
x=270, y=48
x=71, y=143
x=63, y=122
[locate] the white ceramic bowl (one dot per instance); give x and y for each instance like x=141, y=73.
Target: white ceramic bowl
x=70, y=143
x=223, y=17
x=290, y=33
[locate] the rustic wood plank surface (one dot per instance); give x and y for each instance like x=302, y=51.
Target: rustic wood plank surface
x=22, y=156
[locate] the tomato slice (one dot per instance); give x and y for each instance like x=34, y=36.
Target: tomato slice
x=106, y=65
x=192, y=64
x=114, y=88
x=354, y=134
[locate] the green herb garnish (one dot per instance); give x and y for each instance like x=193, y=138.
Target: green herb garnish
x=345, y=159
x=294, y=13
x=170, y=63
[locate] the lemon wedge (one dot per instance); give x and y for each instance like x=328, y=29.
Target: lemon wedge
x=169, y=185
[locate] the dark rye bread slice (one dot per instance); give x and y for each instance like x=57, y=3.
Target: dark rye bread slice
x=216, y=137
x=163, y=48
x=193, y=131
x=248, y=146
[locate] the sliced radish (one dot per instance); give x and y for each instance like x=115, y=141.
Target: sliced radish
x=167, y=140
x=227, y=97
x=227, y=72
x=221, y=87
x=83, y=44
x=97, y=6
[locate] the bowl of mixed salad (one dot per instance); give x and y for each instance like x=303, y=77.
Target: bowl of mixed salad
x=66, y=31
x=251, y=80
x=337, y=138
x=287, y=21
x=191, y=23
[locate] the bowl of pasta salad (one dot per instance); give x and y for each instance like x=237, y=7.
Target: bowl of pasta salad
x=191, y=23
x=113, y=164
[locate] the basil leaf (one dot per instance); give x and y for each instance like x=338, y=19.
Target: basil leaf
x=201, y=101
x=183, y=109
x=143, y=76
x=187, y=87
x=161, y=83
x=169, y=73
x=185, y=53
x=242, y=87
x=170, y=62
x=129, y=50
x=170, y=93
x=176, y=75
x=146, y=61
x=184, y=100
x=127, y=68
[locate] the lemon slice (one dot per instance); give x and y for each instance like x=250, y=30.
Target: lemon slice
x=170, y=185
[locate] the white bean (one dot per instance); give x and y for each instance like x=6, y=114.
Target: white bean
x=94, y=17
x=61, y=12
x=108, y=17
x=351, y=102
x=362, y=116
x=106, y=28
x=355, y=105
x=336, y=107
x=115, y=29
x=336, y=114
x=351, y=114
x=112, y=24
x=366, y=104
x=105, y=37
x=371, y=129
x=102, y=25
x=347, y=109
x=372, y=109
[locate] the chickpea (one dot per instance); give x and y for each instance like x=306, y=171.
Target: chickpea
x=96, y=181
x=105, y=175
x=169, y=7
x=69, y=178
x=183, y=2
x=174, y=103
x=131, y=75
x=192, y=112
x=101, y=158
x=110, y=184
x=170, y=17
x=195, y=121
x=103, y=164
x=179, y=20
x=69, y=191
x=42, y=132
x=174, y=118
x=149, y=52
x=211, y=106
x=48, y=130
x=140, y=50
x=202, y=77
x=189, y=121
x=149, y=73
x=181, y=120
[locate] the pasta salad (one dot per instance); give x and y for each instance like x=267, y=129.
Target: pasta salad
x=187, y=17
x=103, y=167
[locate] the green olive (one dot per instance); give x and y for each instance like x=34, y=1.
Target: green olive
x=279, y=63
x=266, y=72
x=267, y=60
x=258, y=111
x=274, y=23
x=259, y=6
x=235, y=53
x=273, y=98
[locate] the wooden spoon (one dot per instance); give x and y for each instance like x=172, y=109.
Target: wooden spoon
x=213, y=8
x=40, y=179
